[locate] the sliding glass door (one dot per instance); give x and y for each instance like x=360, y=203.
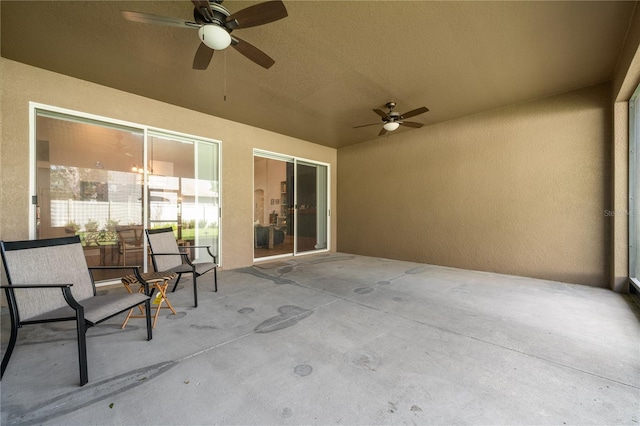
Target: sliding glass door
x=311, y=212
x=183, y=190
x=106, y=182
x=290, y=206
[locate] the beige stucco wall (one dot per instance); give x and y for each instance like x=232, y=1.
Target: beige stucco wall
x=22, y=84
x=626, y=78
x=520, y=190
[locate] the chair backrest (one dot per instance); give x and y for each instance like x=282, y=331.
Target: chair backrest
x=130, y=235
x=48, y=261
x=163, y=241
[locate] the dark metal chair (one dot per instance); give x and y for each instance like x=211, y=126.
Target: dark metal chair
x=167, y=256
x=49, y=281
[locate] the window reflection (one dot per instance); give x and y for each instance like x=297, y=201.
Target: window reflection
x=90, y=181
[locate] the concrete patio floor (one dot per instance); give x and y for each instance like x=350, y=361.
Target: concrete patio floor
x=343, y=339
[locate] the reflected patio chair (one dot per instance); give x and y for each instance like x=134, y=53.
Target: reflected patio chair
x=129, y=241
x=49, y=281
x=167, y=256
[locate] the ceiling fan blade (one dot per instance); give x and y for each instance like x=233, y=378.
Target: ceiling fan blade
x=147, y=18
x=411, y=124
x=383, y=131
x=252, y=52
x=258, y=14
x=381, y=113
x=203, y=57
x=366, y=125
x=415, y=112
x=204, y=8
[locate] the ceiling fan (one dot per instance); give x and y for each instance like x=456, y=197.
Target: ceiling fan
x=215, y=24
x=392, y=120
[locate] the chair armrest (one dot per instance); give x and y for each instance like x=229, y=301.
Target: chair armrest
x=116, y=267
x=35, y=285
x=66, y=293
x=134, y=268
x=208, y=251
x=141, y=280
x=183, y=255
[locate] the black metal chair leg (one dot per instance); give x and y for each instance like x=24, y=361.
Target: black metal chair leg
x=176, y=284
x=147, y=308
x=215, y=279
x=82, y=347
x=195, y=292
x=9, y=351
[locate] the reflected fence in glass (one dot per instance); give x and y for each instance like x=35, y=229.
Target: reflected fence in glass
x=90, y=181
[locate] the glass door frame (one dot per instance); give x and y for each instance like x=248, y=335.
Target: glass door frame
x=634, y=189
x=146, y=131
x=295, y=160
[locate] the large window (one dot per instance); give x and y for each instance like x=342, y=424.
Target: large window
x=107, y=181
x=291, y=208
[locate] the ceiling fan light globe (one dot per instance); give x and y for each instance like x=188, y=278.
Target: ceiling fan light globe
x=391, y=126
x=214, y=36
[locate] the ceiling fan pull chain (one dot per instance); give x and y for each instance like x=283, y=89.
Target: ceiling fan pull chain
x=225, y=76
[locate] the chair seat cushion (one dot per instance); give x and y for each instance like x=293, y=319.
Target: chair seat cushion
x=97, y=308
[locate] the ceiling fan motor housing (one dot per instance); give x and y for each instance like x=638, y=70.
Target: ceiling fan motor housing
x=220, y=14
x=214, y=33
x=392, y=116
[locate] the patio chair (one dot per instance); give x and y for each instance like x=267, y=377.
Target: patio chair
x=129, y=242
x=166, y=256
x=49, y=281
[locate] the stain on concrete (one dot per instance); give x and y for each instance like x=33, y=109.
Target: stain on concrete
x=176, y=316
x=245, y=310
x=49, y=333
x=328, y=259
x=203, y=327
x=271, y=265
x=303, y=370
x=257, y=273
x=384, y=282
x=286, y=413
x=84, y=396
x=289, y=316
x=363, y=360
x=363, y=290
x=397, y=299
x=285, y=270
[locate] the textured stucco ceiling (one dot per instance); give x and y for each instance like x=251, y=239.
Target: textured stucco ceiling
x=335, y=60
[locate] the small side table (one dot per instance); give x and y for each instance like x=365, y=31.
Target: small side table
x=158, y=281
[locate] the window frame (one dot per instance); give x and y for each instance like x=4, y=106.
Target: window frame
x=35, y=108
x=634, y=187
x=295, y=160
